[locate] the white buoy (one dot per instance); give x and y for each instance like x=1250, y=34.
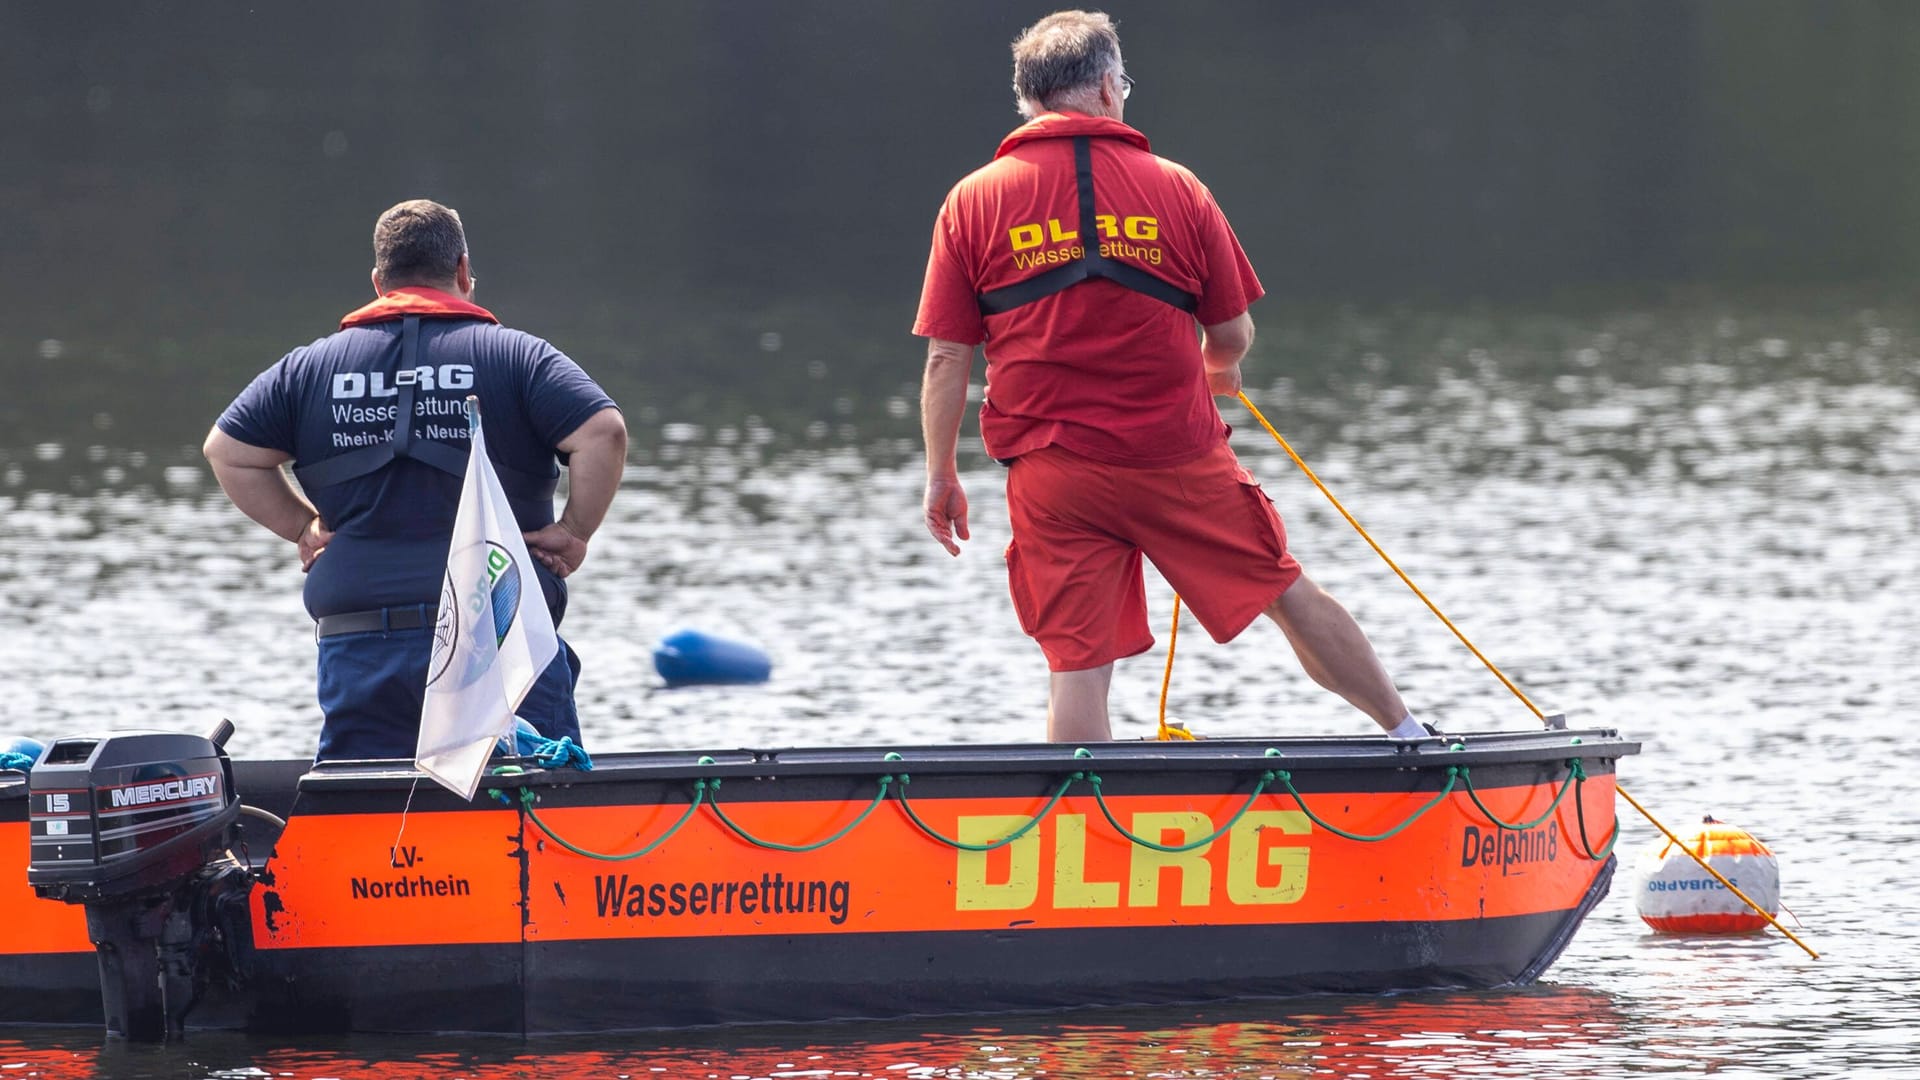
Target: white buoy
x=1675, y=896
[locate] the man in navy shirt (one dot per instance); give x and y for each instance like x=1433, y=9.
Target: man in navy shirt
x=373, y=419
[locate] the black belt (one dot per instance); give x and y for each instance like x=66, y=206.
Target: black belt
x=410, y=617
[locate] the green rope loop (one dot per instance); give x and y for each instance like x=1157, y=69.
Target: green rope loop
x=1100, y=798
x=1565, y=786
x=527, y=801
x=774, y=845
x=1003, y=841
x=1579, y=773
x=707, y=791
x=1285, y=777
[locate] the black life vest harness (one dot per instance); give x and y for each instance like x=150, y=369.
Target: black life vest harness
x=1091, y=263
x=366, y=460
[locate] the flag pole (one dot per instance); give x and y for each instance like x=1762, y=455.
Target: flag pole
x=499, y=636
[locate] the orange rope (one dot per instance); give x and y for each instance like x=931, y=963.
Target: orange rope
x=1168, y=734
x=1731, y=887
x=1508, y=683
x=1174, y=637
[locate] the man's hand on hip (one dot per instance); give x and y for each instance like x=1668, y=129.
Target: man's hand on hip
x=945, y=505
x=313, y=541
x=557, y=548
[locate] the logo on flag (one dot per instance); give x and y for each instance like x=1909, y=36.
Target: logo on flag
x=488, y=647
x=502, y=598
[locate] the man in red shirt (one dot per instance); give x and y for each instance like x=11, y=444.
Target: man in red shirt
x=1111, y=296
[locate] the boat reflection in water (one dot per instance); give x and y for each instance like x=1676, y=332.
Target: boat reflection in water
x=1542, y=1031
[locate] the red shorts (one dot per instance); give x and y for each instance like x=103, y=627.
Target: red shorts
x=1080, y=528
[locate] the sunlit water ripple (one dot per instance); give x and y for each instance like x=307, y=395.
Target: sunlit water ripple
x=1706, y=541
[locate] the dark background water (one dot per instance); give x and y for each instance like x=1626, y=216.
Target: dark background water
x=188, y=190
x=1599, y=316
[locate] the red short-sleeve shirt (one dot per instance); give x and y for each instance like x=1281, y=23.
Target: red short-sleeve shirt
x=1099, y=369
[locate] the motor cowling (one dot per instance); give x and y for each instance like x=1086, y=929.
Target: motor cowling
x=137, y=826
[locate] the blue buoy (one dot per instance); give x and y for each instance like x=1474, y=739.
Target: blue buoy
x=691, y=657
x=20, y=751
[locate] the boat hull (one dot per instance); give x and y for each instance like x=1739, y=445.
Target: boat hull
x=1137, y=874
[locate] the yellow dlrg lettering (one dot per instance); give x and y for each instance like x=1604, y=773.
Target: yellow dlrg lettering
x=1032, y=235
x=1196, y=875
x=971, y=889
x=1071, y=889
x=1266, y=856
x=1244, y=862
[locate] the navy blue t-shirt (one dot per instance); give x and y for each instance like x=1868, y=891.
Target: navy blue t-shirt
x=391, y=528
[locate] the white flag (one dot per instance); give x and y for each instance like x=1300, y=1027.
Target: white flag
x=492, y=637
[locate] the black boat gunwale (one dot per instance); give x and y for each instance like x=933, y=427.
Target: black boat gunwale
x=1310, y=752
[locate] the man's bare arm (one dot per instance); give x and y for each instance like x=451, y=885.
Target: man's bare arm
x=1222, y=346
x=943, y=401
x=597, y=456
x=251, y=477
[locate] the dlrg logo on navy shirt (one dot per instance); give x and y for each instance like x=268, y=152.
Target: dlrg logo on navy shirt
x=356, y=385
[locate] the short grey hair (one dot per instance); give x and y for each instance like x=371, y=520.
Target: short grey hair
x=1060, y=59
x=418, y=242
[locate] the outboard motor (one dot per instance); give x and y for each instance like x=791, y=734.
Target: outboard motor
x=137, y=826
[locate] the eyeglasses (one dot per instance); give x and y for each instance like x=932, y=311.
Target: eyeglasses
x=1126, y=86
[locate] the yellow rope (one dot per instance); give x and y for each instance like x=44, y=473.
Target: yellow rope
x=1377, y=550
x=1169, y=734
x=1731, y=887
x=1174, y=636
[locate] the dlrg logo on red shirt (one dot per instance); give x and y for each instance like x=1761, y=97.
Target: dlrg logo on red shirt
x=1025, y=238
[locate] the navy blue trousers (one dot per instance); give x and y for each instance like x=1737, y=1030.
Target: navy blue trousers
x=372, y=685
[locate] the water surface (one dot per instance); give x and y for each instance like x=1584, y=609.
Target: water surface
x=1693, y=522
